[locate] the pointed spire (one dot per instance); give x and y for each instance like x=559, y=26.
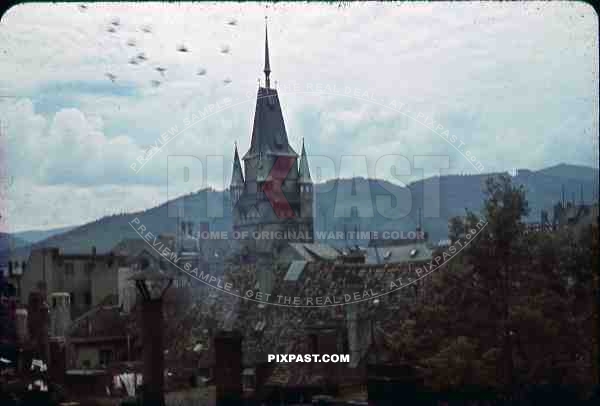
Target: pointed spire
x=237, y=177
x=267, y=69
x=303, y=171
x=269, y=135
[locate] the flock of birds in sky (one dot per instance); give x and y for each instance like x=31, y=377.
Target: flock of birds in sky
x=141, y=57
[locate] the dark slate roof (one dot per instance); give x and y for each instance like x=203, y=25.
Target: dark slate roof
x=237, y=177
x=303, y=170
x=268, y=134
x=270, y=329
x=275, y=329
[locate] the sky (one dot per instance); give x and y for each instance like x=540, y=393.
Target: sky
x=514, y=84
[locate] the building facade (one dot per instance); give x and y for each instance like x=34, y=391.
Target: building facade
x=87, y=278
x=273, y=194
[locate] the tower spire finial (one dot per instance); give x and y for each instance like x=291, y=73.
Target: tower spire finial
x=267, y=69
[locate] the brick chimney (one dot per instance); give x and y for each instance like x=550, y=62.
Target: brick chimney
x=228, y=368
x=21, y=325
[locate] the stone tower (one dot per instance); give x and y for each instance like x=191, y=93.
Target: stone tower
x=273, y=199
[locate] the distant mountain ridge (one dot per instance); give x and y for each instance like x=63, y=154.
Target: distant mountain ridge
x=11, y=242
x=33, y=236
x=457, y=193
x=571, y=172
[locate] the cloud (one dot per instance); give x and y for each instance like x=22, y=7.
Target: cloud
x=68, y=148
x=35, y=206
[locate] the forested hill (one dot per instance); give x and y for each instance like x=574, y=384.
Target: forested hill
x=457, y=193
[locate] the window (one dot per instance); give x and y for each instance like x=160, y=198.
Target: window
x=72, y=298
x=105, y=357
x=69, y=269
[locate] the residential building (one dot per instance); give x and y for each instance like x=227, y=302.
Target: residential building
x=88, y=278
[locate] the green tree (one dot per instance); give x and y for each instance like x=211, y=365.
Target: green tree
x=515, y=307
x=473, y=297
